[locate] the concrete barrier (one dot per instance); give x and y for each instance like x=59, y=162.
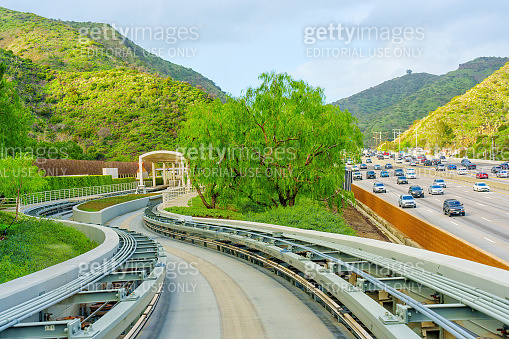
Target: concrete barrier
x=30, y=286
x=108, y=213
x=427, y=235
x=493, y=279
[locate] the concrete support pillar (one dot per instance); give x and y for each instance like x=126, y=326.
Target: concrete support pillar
x=153, y=174
x=173, y=173
x=164, y=173
x=141, y=170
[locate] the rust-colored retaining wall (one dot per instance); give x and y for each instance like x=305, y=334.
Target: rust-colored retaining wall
x=57, y=167
x=425, y=234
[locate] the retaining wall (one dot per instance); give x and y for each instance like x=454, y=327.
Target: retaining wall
x=108, y=213
x=424, y=233
x=16, y=291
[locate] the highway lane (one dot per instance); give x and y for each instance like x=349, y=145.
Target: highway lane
x=211, y=295
x=486, y=223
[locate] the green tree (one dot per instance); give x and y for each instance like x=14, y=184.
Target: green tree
x=277, y=141
x=15, y=120
x=19, y=176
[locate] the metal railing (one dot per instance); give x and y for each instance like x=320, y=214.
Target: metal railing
x=173, y=193
x=68, y=193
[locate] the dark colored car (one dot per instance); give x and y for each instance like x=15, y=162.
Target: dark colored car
x=427, y=163
x=384, y=174
x=363, y=166
x=470, y=166
x=482, y=175
x=416, y=191
x=504, y=165
x=402, y=180
x=453, y=206
x=451, y=167
x=495, y=169
x=435, y=162
x=465, y=161
x=380, y=157
x=370, y=175
x=388, y=166
x=398, y=172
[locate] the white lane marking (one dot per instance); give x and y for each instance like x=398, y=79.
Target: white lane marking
x=452, y=222
x=478, y=203
x=465, y=191
x=437, y=199
x=430, y=211
x=489, y=240
x=485, y=219
x=488, y=198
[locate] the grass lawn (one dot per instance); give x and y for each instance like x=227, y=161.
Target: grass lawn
x=97, y=205
x=34, y=244
x=306, y=214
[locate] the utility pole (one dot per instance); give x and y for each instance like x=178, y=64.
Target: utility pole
x=397, y=132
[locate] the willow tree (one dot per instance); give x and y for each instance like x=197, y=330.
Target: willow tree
x=270, y=145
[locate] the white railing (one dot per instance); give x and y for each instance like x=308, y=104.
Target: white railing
x=68, y=193
x=173, y=193
x=7, y=202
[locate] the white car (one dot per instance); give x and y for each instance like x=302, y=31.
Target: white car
x=355, y=168
x=435, y=189
x=413, y=163
x=410, y=173
x=481, y=187
x=502, y=174
x=399, y=161
x=462, y=171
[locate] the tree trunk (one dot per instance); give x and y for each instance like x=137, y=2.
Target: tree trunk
x=202, y=197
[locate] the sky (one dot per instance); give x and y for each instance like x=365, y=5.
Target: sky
x=342, y=46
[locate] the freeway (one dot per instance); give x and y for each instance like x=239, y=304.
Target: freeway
x=482, y=166
x=208, y=294
x=486, y=223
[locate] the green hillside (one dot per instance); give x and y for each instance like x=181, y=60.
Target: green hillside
x=399, y=102
x=113, y=107
x=468, y=120
x=60, y=45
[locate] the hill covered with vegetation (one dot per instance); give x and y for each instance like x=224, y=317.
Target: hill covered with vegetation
x=468, y=120
x=113, y=106
x=397, y=103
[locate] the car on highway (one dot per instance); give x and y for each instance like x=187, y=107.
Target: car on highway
x=465, y=161
x=435, y=189
x=386, y=156
x=370, y=175
x=355, y=168
x=443, y=158
x=402, y=180
x=440, y=168
x=388, y=166
x=451, y=167
x=377, y=167
x=481, y=175
x=416, y=191
x=357, y=176
x=461, y=171
x=410, y=173
x=399, y=161
x=435, y=162
x=379, y=187
x=504, y=165
x=495, y=169
x=398, y=172
x=413, y=163
x=368, y=161
x=384, y=174
x=380, y=157
x=481, y=187
x=427, y=163
x=348, y=161
x=440, y=182
x=406, y=200
x=453, y=206
x=470, y=166
x=363, y=166
x=502, y=174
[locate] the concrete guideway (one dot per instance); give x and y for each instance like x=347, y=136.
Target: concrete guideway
x=241, y=300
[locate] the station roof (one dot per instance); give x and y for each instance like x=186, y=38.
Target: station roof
x=162, y=156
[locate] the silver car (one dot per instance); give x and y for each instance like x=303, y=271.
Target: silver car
x=406, y=200
x=379, y=187
x=435, y=189
x=502, y=174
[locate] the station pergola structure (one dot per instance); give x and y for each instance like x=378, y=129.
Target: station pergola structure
x=173, y=170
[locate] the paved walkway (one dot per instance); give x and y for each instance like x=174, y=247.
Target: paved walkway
x=183, y=200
